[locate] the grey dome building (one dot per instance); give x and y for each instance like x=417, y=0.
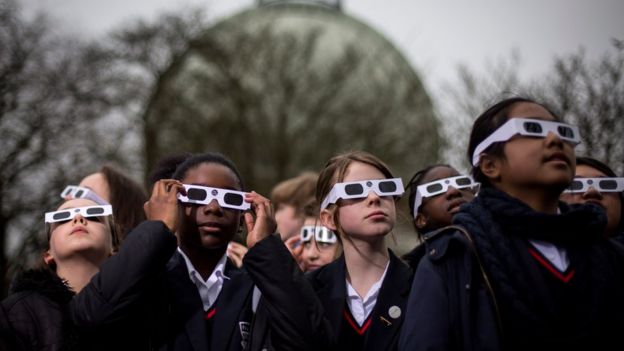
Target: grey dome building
x=283, y=86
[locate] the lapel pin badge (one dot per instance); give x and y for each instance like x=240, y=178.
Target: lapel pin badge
x=394, y=312
x=387, y=322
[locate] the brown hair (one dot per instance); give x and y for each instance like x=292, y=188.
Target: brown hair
x=297, y=192
x=334, y=172
x=127, y=198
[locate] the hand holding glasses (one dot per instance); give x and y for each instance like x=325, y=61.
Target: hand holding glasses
x=203, y=195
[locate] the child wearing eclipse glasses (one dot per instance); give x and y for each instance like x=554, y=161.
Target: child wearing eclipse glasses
x=521, y=270
x=356, y=302
x=435, y=196
x=596, y=183
x=73, y=301
x=320, y=245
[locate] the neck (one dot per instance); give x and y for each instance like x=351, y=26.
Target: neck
x=204, y=260
x=77, y=272
x=365, y=262
x=538, y=199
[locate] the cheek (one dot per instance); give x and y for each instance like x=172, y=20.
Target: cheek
x=572, y=198
x=614, y=207
x=328, y=254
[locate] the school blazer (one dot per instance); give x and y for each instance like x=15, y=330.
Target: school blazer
x=305, y=311
x=383, y=333
x=186, y=320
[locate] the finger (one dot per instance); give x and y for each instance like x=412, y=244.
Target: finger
x=249, y=222
x=176, y=188
x=290, y=242
x=242, y=249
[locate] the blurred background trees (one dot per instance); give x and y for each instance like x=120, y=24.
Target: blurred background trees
x=274, y=97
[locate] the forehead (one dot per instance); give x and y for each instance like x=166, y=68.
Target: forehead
x=586, y=171
x=311, y=221
x=439, y=172
x=213, y=175
x=76, y=203
x=362, y=171
x=530, y=110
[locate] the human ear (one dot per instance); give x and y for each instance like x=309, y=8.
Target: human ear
x=490, y=167
x=47, y=258
x=327, y=219
x=420, y=221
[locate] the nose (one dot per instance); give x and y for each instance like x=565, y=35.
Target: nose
x=372, y=198
x=452, y=192
x=592, y=193
x=212, y=207
x=312, y=252
x=553, y=139
x=79, y=219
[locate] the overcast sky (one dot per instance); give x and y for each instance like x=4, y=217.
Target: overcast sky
x=435, y=35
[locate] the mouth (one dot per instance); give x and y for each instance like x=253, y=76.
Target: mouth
x=595, y=202
x=210, y=227
x=79, y=230
x=454, y=205
x=558, y=157
x=312, y=267
x=376, y=215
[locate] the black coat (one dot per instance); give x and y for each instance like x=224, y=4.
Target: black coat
x=305, y=312
x=44, y=314
x=450, y=306
x=185, y=323
x=483, y=290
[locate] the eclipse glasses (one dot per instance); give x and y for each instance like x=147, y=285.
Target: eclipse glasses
x=86, y=212
x=360, y=189
x=319, y=233
x=602, y=184
x=527, y=127
x=440, y=186
x=79, y=192
x=203, y=195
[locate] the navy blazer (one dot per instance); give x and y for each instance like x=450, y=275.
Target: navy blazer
x=383, y=334
x=230, y=325
x=305, y=311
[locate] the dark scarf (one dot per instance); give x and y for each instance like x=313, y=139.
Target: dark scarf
x=501, y=226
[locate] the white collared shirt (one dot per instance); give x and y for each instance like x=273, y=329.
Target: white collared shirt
x=361, y=307
x=557, y=256
x=208, y=289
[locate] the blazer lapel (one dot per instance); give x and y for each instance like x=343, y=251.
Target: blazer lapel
x=332, y=291
x=187, y=307
x=235, y=296
x=389, y=311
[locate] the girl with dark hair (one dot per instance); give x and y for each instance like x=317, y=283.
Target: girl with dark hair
x=521, y=270
x=211, y=302
x=356, y=302
x=435, y=195
x=596, y=183
x=197, y=300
